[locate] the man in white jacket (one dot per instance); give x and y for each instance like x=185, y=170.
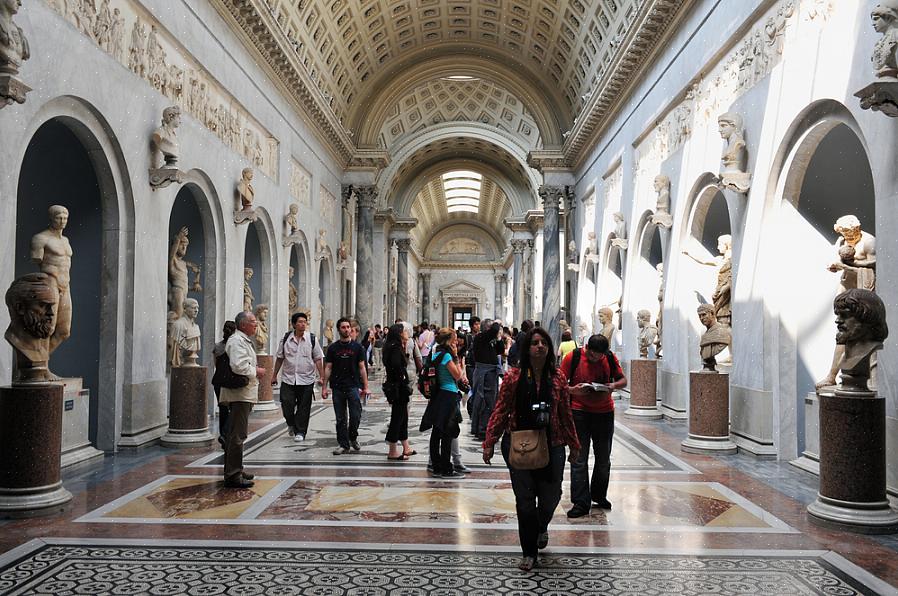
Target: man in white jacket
x=242, y=355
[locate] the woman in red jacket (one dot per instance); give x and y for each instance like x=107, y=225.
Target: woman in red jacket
x=535, y=386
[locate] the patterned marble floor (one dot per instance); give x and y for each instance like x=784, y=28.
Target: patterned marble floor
x=159, y=521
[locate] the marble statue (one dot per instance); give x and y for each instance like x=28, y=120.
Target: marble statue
x=247, y=291
x=342, y=255
x=14, y=50
x=861, y=325
x=619, y=236
x=321, y=245
x=662, y=216
x=606, y=320
x=733, y=163
x=582, y=333
x=856, y=250
x=166, y=150
x=659, y=320
x=572, y=255
x=117, y=36
x=31, y=300
x=291, y=225
x=261, y=338
x=177, y=274
x=293, y=294
x=715, y=339
x=52, y=253
x=329, y=330
x=184, y=336
x=723, y=291
x=592, y=248
x=246, y=194
x=103, y=26
x=885, y=52
x=647, y=332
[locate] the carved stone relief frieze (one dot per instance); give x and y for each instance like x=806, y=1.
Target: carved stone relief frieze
x=614, y=186
x=328, y=207
x=300, y=184
x=131, y=35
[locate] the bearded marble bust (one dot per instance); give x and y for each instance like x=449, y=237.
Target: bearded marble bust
x=31, y=300
x=861, y=328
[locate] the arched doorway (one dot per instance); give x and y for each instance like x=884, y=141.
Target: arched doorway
x=325, y=294
x=298, y=282
x=645, y=275
x=256, y=258
x=67, y=162
x=611, y=286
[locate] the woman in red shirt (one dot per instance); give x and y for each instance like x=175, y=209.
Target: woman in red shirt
x=536, y=492
x=594, y=420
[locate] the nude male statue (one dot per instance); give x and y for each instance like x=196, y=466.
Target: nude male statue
x=177, y=275
x=52, y=253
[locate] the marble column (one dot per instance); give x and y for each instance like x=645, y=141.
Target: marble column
x=403, y=245
x=497, y=299
x=529, y=276
x=518, y=247
x=364, y=302
x=552, y=197
x=425, y=297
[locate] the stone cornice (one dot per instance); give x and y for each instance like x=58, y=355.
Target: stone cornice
x=404, y=224
x=436, y=265
x=369, y=159
x=654, y=22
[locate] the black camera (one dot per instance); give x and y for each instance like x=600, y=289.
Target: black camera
x=541, y=414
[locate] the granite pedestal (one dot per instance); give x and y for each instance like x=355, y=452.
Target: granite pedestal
x=31, y=427
x=76, y=445
x=709, y=414
x=644, y=389
x=266, y=393
x=188, y=418
x=852, y=492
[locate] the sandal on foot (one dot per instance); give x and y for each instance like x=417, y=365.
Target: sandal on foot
x=527, y=563
x=542, y=541
x=410, y=453
x=402, y=457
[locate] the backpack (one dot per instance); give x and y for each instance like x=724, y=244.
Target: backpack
x=575, y=362
x=286, y=335
x=427, y=381
x=225, y=377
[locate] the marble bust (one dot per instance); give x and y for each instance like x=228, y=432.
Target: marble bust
x=714, y=340
x=329, y=330
x=619, y=236
x=662, y=216
x=247, y=291
x=592, y=248
x=184, y=336
x=166, y=150
x=261, y=338
x=647, y=332
x=14, y=50
x=291, y=225
x=861, y=329
x=885, y=22
x=606, y=320
x=246, y=194
x=733, y=163
x=321, y=245
x=52, y=253
x=31, y=300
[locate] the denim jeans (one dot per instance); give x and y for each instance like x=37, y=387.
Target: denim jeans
x=486, y=390
x=597, y=429
x=347, y=399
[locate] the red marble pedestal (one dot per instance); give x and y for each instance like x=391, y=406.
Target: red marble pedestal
x=266, y=394
x=709, y=414
x=30, y=450
x=852, y=492
x=188, y=409
x=643, y=389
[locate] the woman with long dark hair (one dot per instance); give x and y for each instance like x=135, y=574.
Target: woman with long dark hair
x=534, y=396
x=442, y=414
x=398, y=391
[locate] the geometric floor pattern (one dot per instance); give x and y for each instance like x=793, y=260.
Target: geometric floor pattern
x=122, y=569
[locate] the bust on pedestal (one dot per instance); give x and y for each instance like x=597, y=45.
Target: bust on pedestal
x=31, y=408
x=166, y=150
x=265, y=360
x=644, y=372
x=246, y=195
x=882, y=94
x=14, y=50
x=188, y=420
x=852, y=492
x=709, y=392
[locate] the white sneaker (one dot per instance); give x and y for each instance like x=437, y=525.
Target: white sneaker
x=299, y=438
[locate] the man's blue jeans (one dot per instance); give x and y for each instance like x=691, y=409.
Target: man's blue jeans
x=343, y=399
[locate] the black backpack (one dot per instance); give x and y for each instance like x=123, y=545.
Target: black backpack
x=286, y=335
x=225, y=377
x=427, y=380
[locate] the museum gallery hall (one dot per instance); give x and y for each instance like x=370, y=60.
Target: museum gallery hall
x=449, y=297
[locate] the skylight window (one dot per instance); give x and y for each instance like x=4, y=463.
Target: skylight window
x=461, y=189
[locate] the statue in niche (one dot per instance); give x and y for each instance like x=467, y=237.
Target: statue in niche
x=329, y=331
x=292, y=295
x=184, y=336
x=592, y=248
x=166, y=150
x=177, y=274
x=659, y=320
x=733, y=173
x=321, y=245
x=582, y=333
x=248, y=297
x=647, y=332
x=261, y=338
x=861, y=324
x=857, y=262
x=291, y=221
x=52, y=253
x=342, y=255
x=619, y=236
x=14, y=50
x=716, y=338
x=885, y=52
x=572, y=255
x=723, y=291
x=346, y=232
x=662, y=216
x=246, y=195
x=117, y=36
x=31, y=300
x=606, y=320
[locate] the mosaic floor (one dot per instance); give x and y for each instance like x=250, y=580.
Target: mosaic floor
x=159, y=521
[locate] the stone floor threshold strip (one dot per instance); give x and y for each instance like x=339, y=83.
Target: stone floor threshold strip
x=66, y=565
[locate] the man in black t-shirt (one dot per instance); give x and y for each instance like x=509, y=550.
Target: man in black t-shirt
x=486, y=377
x=345, y=370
